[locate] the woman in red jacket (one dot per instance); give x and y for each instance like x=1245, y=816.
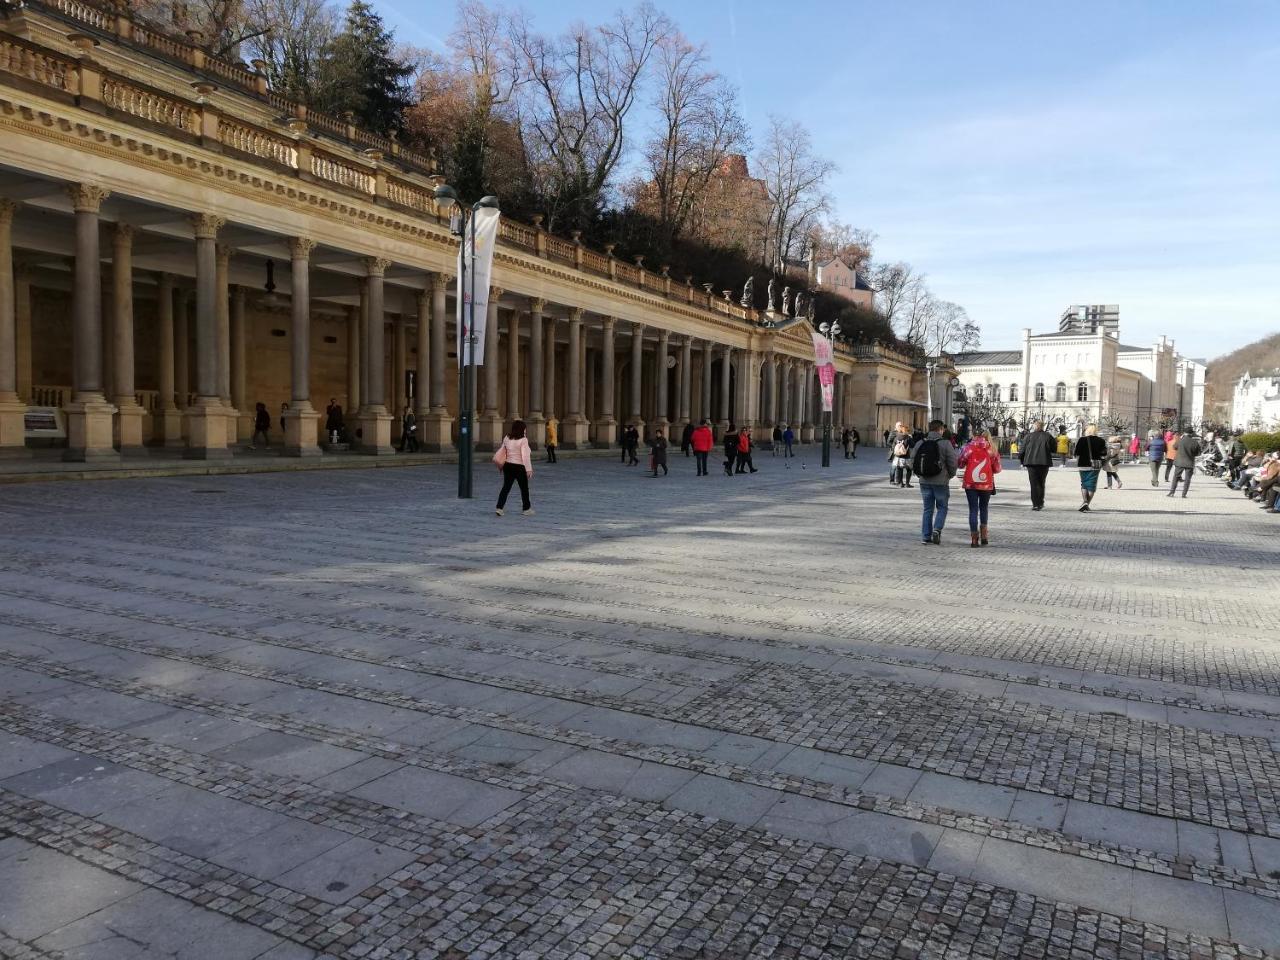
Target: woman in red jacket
x=980, y=463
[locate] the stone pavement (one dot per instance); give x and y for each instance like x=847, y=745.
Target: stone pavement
x=343, y=714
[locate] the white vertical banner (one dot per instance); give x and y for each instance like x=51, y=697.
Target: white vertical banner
x=479, y=270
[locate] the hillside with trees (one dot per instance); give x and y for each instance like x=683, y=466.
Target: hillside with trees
x=549, y=123
x=1225, y=370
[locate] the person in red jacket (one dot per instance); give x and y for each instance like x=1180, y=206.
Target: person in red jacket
x=703, y=441
x=980, y=462
x=744, y=451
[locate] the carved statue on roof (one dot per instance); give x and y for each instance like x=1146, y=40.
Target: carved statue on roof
x=749, y=293
x=786, y=301
x=769, y=304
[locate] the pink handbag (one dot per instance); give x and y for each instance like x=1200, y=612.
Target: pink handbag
x=500, y=456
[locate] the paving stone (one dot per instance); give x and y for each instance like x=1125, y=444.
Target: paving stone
x=345, y=871
x=724, y=799
x=42, y=890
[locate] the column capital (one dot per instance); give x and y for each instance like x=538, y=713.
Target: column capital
x=7, y=209
x=207, y=225
x=664, y=336
x=637, y=327
x=608, y=323
x=537, y=304
x=495, y=294
x=575, y=315
x=165, y=281
x=300, y=248
x=86, y=198
x=224, y=252
x=376, y=266
x=439, y=281
x=122, y=234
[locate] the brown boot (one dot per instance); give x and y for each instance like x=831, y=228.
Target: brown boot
x=982, y=533
x=973, y=539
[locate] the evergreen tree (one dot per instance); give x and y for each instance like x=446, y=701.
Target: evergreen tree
x=364, y=75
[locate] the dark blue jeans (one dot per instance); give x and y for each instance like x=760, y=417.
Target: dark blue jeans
x=979, y=500
x=936, y=496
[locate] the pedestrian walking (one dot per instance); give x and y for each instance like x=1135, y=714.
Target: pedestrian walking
x=777, y=439
x=730, y=449
x=553, y=438
x=1111, y=462
x=333, y=425
x=1184, y=465
x=686, y=438
x=1170, y=453
x=788, y=438
x=935, y=465
x=1135, y=447
x=284, y=412
x=980, y=463
x=658, y=453
x=408, y=432
x=703, y=441
x=1236, y=452
x=1091, y=454
x=1155, y=454
x=261, y=425
x=1064, y=445
x=900, y=456
x=1036, y=454
x=854, y=440
x=516, y=463
x=745, y=446
x=845, y=440
x=631, y=443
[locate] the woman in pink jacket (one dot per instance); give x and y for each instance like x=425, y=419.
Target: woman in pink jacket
x=980, y=463
x=516, y=463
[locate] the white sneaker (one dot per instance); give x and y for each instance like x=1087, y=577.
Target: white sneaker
x=499, y=511
x=527, y=513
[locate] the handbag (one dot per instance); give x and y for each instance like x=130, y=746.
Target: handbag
x=500, y=456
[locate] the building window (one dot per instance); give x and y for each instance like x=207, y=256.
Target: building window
x=977, y=391
x=1013, y=393
x=1040, y=393
x=1060, y=393
x=995, y=392
x=1082, y=392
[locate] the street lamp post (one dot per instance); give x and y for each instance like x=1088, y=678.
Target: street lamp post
x=830, y=331
x=459, y=219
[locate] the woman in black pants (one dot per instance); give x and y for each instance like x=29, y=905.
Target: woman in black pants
x=516, y=463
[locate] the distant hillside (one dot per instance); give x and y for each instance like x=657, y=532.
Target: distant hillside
x=1224, y=371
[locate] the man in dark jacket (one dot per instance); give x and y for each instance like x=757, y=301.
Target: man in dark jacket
x=730, y=450
x=1184, y=465
x=686, y=438
x=1155, y=453
x=1036, y=454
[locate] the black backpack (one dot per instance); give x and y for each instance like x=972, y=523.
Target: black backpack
x=927, y=461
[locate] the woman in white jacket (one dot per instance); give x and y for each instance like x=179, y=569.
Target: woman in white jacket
x=516, y=463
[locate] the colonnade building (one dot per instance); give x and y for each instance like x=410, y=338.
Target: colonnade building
x=179, y=243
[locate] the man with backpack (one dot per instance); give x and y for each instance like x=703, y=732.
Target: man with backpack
x=933, y=460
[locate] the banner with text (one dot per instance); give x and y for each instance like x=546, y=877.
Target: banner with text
x=824, y=360
x=478, y=271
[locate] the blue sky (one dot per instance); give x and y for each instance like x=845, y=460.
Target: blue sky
x=1026, y=155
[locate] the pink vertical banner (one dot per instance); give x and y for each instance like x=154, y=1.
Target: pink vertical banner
x=824, y=359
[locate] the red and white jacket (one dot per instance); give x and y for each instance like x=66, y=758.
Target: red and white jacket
x=980, y=464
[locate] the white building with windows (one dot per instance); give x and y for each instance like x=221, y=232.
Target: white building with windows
x=1084, y=374
x=1255, y=402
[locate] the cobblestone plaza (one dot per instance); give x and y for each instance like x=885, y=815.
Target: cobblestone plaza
x=343, y=714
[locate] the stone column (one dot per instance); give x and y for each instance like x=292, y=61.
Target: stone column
x=206, y=418
x=726, y=378
x=513, y=365
x=837, y=405
x=607, y=424
x=706, y=413
x=589, y=406
x=536, y=421
x=184, y=306
x=573, y=429
x=168, y=420
x=489, y=424
x=436, y=429
x=301, y=419
x=686, y=378
x=422, y=366
x=770, y=412
x=89, y=415
x=374, y=421
x=749, y=390
x=353, y=363
x=240, y=365
x=128, y=424
x=549, y=407
x=399, y=371
x=224, y=339
x=12, y=410
x=807, y=429
x=663, y=388
x=22, y=332
x=637, y=377
x=364, y=343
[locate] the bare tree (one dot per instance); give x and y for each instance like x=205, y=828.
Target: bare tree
x=293, y=44
x=698, y=125
x=579, y=90
x=795, y=179
x=949, y=329
x=901, y=297
x=851, y=244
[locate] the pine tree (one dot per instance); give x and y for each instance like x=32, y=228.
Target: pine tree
x=364, y=75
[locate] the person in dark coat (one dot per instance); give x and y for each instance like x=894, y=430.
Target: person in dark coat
x=845, y=440
x=686, y=438
x=630, y=444
x=854, y=439
x=261, y=425
x=1184, y=464
x=1155, y=454
x=658, y=453
x=730, y=449
x=1036, y=453
x=333, y=425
